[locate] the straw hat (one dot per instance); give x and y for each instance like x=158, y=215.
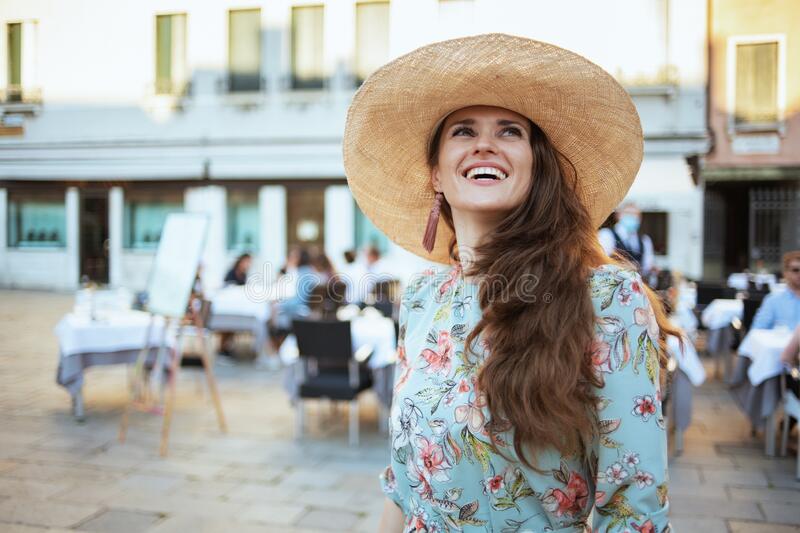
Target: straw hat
x=585, y=113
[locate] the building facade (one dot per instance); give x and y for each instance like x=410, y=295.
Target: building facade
x=115, y=114
x=751, y=174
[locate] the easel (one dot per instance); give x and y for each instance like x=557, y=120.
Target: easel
x=141, y=396
x=169, y=290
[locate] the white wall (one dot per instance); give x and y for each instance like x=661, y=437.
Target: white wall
x=272, y=213
x=116, y=210
x=340, y=219
x=665, y=184
x=211, y=201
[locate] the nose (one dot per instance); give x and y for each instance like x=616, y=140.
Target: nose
x=484, y=143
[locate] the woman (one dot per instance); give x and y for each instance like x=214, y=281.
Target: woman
x=237, y=275
x=527, y=387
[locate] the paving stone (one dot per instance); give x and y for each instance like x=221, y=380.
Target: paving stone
x=330, y=520
x=48, y=514
x=765, y=495
x=120, y=521
x=755, y=527
x=29, y=489
x=681, y=506
x=254, y=492
x=746, y=478
x=5, y=527
x=693, y=524
x=781, y=513
x=274, y=513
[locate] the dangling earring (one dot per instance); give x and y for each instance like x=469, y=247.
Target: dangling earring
x=429, y=239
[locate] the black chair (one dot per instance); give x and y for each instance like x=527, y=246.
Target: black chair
x=329, y=369
x=710, y=291
x=751, y=306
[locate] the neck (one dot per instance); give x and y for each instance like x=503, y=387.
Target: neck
x=471, y=229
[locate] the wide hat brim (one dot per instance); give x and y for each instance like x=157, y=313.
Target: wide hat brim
x=586, y=114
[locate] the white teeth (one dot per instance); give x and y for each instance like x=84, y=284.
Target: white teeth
x=492, y=171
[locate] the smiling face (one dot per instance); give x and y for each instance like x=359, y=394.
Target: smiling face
x=485, y=161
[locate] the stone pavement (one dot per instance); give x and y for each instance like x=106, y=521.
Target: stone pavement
x=57, y=475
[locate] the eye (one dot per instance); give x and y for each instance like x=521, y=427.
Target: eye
x=463, y=131
x=511, y=130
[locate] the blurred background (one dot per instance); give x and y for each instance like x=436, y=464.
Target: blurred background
x=114, y=115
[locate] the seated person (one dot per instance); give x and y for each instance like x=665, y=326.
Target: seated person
x=237, y=275
x=302, y=279
x=327, y=298
x=782, y=308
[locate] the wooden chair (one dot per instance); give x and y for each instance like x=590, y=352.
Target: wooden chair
x=329, y=369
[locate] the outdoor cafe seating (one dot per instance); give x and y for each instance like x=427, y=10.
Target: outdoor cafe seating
x=329, y=368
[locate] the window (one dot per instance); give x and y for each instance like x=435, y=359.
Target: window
x=305, y=214
x=307, y=47
x=654, y=224
x=36, y=221
x=367, y=234
x=756, y=101
x=171, y=72
x=243, y=221
x=372, y=38
x=244, y=50
x=145, y=215
x=21, y=85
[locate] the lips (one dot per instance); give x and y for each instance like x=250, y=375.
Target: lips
x=491, y=173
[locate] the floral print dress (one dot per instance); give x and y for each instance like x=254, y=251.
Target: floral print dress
x=446, y=477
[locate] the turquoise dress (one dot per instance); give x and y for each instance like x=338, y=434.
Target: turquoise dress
x=446, y=477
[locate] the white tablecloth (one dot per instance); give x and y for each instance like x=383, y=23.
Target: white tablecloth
x=235, y=300
x=112, y=332
x=687, y=359
x=719, y=313
x=764, y=347
x=377, y=332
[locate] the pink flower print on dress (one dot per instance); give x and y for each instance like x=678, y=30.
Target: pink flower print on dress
x=601, y=355
x=616, y=474
x=449, y=282
x=568, y=502
x=646, y=317
x=493, y=484
x=643, y=479
x=625, y=296
x=647, y=527
x=472, y=414
x=631, y=459
x=439, y=361
x=644, y=406
x=431, y=456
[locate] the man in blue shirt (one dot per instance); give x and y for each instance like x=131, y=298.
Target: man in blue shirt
x=782, y=308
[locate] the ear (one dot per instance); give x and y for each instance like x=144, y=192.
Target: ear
x=435, y=181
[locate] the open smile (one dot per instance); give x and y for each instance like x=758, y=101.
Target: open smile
x=485, y=173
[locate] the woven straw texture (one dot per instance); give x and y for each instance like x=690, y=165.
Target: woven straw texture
x=585, y=113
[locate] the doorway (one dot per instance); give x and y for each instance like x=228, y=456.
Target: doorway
x=94, y=236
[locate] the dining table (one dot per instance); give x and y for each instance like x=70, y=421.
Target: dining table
x=755, y=383
x=108, y=337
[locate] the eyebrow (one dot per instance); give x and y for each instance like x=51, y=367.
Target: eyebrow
x=501, y=122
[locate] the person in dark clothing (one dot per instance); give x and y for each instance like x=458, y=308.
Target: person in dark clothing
x=626, y=239
x=237, y=275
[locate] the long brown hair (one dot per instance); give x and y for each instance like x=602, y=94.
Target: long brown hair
x=539, y=376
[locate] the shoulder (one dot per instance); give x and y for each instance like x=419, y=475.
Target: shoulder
x=423, y=284
x=614, y=284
